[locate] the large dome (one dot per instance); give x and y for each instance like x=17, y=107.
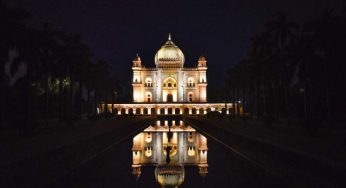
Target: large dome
x=170, y=175
x=169, y=56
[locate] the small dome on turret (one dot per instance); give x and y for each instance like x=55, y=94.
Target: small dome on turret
x=202, y=58
x=136, y=58
x=137, y=61
x=202, y=61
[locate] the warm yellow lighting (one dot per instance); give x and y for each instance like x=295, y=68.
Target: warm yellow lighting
x=187, y=147
x=136, y=157
x=190, y=137
x=148, y=152
x=203, y=156
x=191, y=151
x=148, y=137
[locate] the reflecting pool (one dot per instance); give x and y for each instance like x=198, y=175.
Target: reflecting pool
x=169, y=146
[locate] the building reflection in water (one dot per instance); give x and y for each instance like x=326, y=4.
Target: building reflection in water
x=183, y=145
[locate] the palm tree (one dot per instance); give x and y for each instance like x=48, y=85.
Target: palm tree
x=73, y=56
x=326, y=39
x=46, y=48
x=281, y=32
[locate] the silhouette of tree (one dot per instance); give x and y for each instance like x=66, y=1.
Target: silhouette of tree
x=11, y=21
x=294, y=67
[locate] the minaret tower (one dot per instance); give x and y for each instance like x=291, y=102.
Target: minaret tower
x=202, y=82
x=137, y=81
x=202, y=152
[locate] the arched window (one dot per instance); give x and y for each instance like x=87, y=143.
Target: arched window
x=190, y=82
x=201, y=111
x=190, y=97
x=148, y=82
x=152, y=111
x=162, y=111
x=169, y=98
x=169, y=83
x=138, y=111
x=148, y=97
x=145, y=111
x=186, y=111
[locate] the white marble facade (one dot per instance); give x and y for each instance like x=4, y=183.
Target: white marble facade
x=169, y=82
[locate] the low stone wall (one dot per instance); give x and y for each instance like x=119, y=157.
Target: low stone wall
x=169, y=108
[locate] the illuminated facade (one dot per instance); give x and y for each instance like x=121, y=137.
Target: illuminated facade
x=188, y=147
x=170, y=88
x=169, y=81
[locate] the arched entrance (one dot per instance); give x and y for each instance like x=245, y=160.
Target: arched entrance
x=162, y=111
x=130, y=111
x=152, y=111
x=169, y=98
x=194, y=111
x=169, y=90
x=115, y=111
x=138, y=111
x=145, y=111
x=186, y=111
x=177, y=111
x=201, y=111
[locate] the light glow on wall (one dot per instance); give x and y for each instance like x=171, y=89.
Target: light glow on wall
x=136, y=157
x=149, y=147
x=148, y=152
x=203, y=156
x=148, y=137
x=191, y=151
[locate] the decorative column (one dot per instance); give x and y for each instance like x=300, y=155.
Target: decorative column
x=202, y=152
x=136, y=80
x=202, y=80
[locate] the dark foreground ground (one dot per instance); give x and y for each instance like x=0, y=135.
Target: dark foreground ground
x=104, y=160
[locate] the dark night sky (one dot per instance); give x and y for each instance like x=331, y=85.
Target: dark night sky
x=118, y=29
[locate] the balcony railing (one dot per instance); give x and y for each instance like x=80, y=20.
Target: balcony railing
x=190, y=85
x=148, y=85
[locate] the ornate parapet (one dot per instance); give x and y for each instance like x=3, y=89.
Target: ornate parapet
x=168, y=108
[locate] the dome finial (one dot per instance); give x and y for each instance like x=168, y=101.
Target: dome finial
x=169, y=36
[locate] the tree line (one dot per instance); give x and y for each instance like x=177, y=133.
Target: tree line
x=293, y=72
x=48, y=74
